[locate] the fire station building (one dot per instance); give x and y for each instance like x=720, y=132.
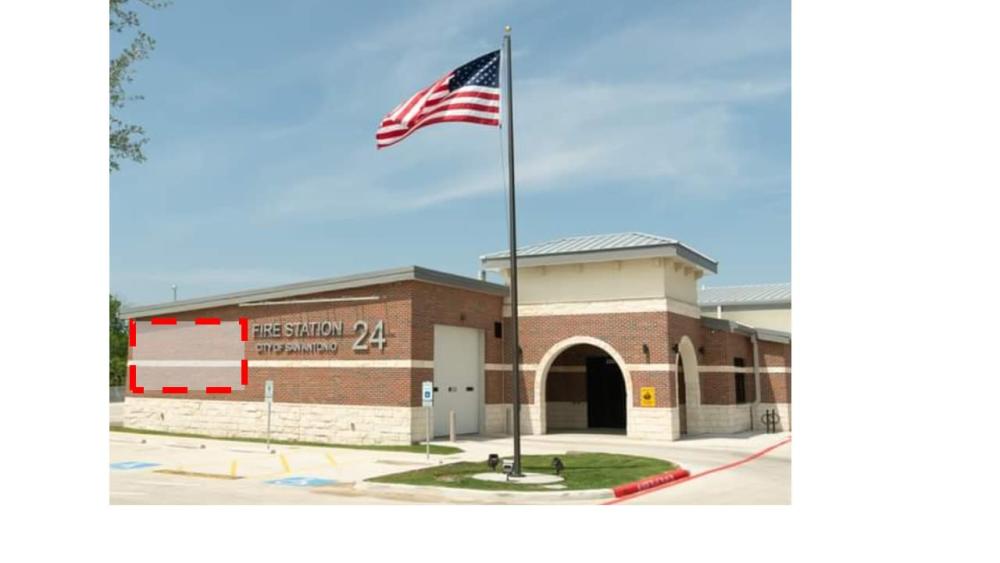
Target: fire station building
x=611, y=332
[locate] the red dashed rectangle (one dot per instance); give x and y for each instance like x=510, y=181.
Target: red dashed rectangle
x=131, y=380
x=178, y=357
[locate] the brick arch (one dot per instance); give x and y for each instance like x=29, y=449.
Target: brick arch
x=687, y=353
x=542, y=374
x=692, y=380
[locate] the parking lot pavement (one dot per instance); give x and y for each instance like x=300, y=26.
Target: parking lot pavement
x=151, y=469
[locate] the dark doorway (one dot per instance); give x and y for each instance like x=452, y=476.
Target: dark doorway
x=682, y=396
x=605, y=394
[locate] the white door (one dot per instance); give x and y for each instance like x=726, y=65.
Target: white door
x=458, y=375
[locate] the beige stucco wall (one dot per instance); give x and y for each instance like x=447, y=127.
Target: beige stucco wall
x=607, y=281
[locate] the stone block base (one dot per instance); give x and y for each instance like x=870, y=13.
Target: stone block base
x=784, y=411
x=499, y=419
x=332, y=424
x=718, y=419
x=653, y=423
x=565, y=416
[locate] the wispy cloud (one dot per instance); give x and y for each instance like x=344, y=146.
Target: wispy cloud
x=663, y=103
x=568, y=136
x=672, y=124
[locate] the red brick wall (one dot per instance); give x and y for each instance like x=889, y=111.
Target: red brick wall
x=774, y=355
x=393, y=308
x=775, y=388
x=434, y=304
x=567, y=387
x=571, y=387
x=409, y=311
x=625, y=332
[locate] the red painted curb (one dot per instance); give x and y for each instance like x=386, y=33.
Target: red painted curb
x=650, y=482
x=702, y=474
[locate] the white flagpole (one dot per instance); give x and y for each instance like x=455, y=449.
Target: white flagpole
x=512, y=229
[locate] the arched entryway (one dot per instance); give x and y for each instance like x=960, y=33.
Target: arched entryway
x=581, y=385
x=688, y=387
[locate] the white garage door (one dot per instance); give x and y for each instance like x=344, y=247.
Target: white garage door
x=458, y=376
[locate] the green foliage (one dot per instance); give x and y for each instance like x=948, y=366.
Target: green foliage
x=118, y=339
x=126, y=139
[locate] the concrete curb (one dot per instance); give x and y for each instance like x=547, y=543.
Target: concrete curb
x=673, y=475
x=478, y=494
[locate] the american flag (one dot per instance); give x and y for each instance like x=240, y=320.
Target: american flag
x=470, y=93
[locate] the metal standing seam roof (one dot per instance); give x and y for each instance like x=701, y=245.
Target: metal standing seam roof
x=605, y=243
x=408, y=273
x=762, y=294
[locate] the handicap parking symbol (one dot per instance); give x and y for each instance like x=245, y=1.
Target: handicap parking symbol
x=133, y=465
x=301, y=482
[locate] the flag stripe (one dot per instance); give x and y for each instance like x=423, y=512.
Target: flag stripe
x=453, y=112
x=416, y=108
x=471, y=110
x=445, y=119
x=470, y=94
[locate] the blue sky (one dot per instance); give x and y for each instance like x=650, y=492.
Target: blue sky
x=671, y=118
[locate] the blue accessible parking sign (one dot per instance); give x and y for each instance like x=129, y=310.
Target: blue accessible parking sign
x=302, y=482
x=125, y=465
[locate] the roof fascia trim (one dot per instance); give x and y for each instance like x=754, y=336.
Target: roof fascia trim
x=381, y=277
x=756, y=306
x=672, y=250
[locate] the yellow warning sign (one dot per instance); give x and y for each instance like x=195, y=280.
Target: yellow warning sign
x=647, y=397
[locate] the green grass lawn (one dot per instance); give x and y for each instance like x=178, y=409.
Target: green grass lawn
x=583, y=471
x=414, y=448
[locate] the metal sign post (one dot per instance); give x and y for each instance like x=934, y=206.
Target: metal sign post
x=427, y=398
x=268, y=398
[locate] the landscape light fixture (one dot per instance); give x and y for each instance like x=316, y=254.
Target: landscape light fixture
x=558, y=465
x=508, y=467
